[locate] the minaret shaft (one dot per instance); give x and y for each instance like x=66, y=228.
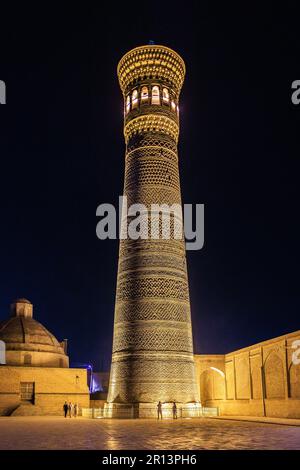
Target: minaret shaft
x=152, y=347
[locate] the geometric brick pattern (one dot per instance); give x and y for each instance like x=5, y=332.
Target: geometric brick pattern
x=153, y=337
x=135, y=287
x=154, y=309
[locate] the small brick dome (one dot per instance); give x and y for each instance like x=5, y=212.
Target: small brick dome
x=22, y=335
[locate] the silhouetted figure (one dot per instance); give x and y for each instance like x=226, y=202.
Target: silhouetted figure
x=70, y=409
x=66, y=407
x=159, y=410
x=174, y=409
x=75, y=410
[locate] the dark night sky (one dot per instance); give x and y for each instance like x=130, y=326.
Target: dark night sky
x=62, y=154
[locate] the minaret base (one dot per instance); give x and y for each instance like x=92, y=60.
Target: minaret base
x=149, y=410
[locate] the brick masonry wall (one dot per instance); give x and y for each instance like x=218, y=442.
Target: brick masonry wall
x=53, y=386
x=259, y=380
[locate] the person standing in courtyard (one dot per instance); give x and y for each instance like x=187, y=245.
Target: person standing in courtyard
x=174, y=409
x=65, y=407
x=75, y=410
x=70, y=410
x=159, y=410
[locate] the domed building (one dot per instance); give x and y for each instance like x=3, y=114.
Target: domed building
x=28, y=342
x=35, y=378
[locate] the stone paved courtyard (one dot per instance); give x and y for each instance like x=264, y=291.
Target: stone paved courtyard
x=203, y=433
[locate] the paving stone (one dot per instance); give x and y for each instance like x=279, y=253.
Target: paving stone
x=204, y=433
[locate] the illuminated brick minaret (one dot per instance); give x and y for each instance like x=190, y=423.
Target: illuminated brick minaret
x=152, y=347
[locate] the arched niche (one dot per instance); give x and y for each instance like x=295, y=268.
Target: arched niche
x=274, y=376
x=212, y=385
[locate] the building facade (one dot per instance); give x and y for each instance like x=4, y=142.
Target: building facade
x=152, y=356
x=35, y=378
x=29, y=391
x=259, y=380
